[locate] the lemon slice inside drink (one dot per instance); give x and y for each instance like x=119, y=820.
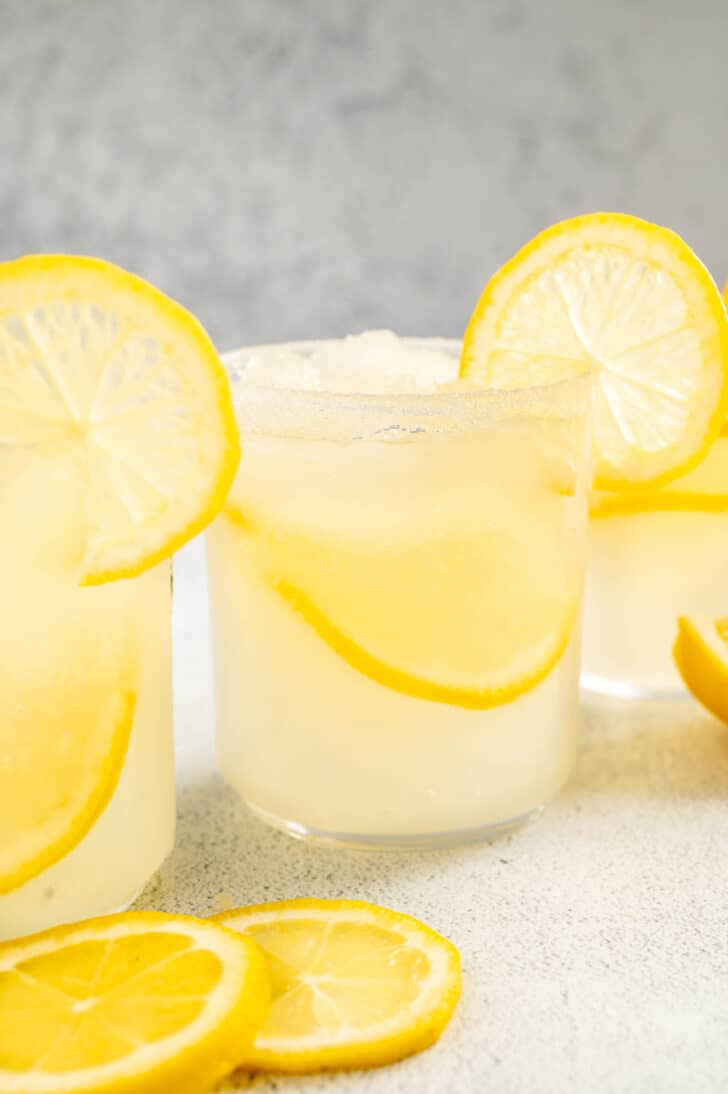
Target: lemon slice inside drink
x=437, y=620
x=68, y=683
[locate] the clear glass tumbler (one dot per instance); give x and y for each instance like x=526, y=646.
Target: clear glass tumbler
x=653, y=557
x=396, y=586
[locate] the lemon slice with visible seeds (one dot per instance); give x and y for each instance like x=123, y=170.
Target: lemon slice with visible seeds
x=97, y=362
x=353, y=985
x=141, y=1003
x=701, y=656
x=629, y=300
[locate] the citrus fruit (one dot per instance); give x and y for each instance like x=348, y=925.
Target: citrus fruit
x=353, y=985
x=97, y=363
x=471, y=611
x=142, y=1003
x=701, y=655
x=629, y=301
x=69, y=685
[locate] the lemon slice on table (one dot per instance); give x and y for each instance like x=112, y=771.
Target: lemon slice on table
x=142, y=1003
x=353, y=985
x=701, y=656
x=97, y=362
x=629, y=300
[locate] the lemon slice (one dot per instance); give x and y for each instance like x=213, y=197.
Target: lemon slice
x=704, y=489
x=143, y=1003
x=503, y=683
x=701, y=656
x=68, y=684
x=95, y=361
x=471, y=614
x=353, y=985
x=629, y=300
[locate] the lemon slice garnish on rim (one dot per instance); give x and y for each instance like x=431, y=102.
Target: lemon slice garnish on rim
x=137, y=1002
x=629, y=300
x=353, y=985
x=96, y=361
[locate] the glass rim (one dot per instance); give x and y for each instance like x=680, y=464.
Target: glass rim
x=305, y=411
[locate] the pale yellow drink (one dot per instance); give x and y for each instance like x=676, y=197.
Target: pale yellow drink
x=396, y=584
x=66, y=651
x=652, y=558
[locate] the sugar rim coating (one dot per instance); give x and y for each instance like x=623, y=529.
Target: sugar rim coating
x=306, y=412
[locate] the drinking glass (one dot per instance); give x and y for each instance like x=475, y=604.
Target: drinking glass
x=396, y=586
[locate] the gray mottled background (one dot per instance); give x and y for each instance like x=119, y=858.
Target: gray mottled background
x=289, y=168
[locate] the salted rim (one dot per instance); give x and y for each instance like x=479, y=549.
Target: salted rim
x=304, y=411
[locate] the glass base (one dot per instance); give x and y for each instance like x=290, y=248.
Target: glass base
x=381, y=841
x=620, y=689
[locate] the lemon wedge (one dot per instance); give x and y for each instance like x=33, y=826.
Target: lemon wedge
x=701, y=655
x=97, y=363
x=141, y=1003
x=629, y=300
x=353, y=985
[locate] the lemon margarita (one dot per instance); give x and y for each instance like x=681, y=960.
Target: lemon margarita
x=117, y=443
x=396, y=583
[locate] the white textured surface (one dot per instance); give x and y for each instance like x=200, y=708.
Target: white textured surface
x=594, y=943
